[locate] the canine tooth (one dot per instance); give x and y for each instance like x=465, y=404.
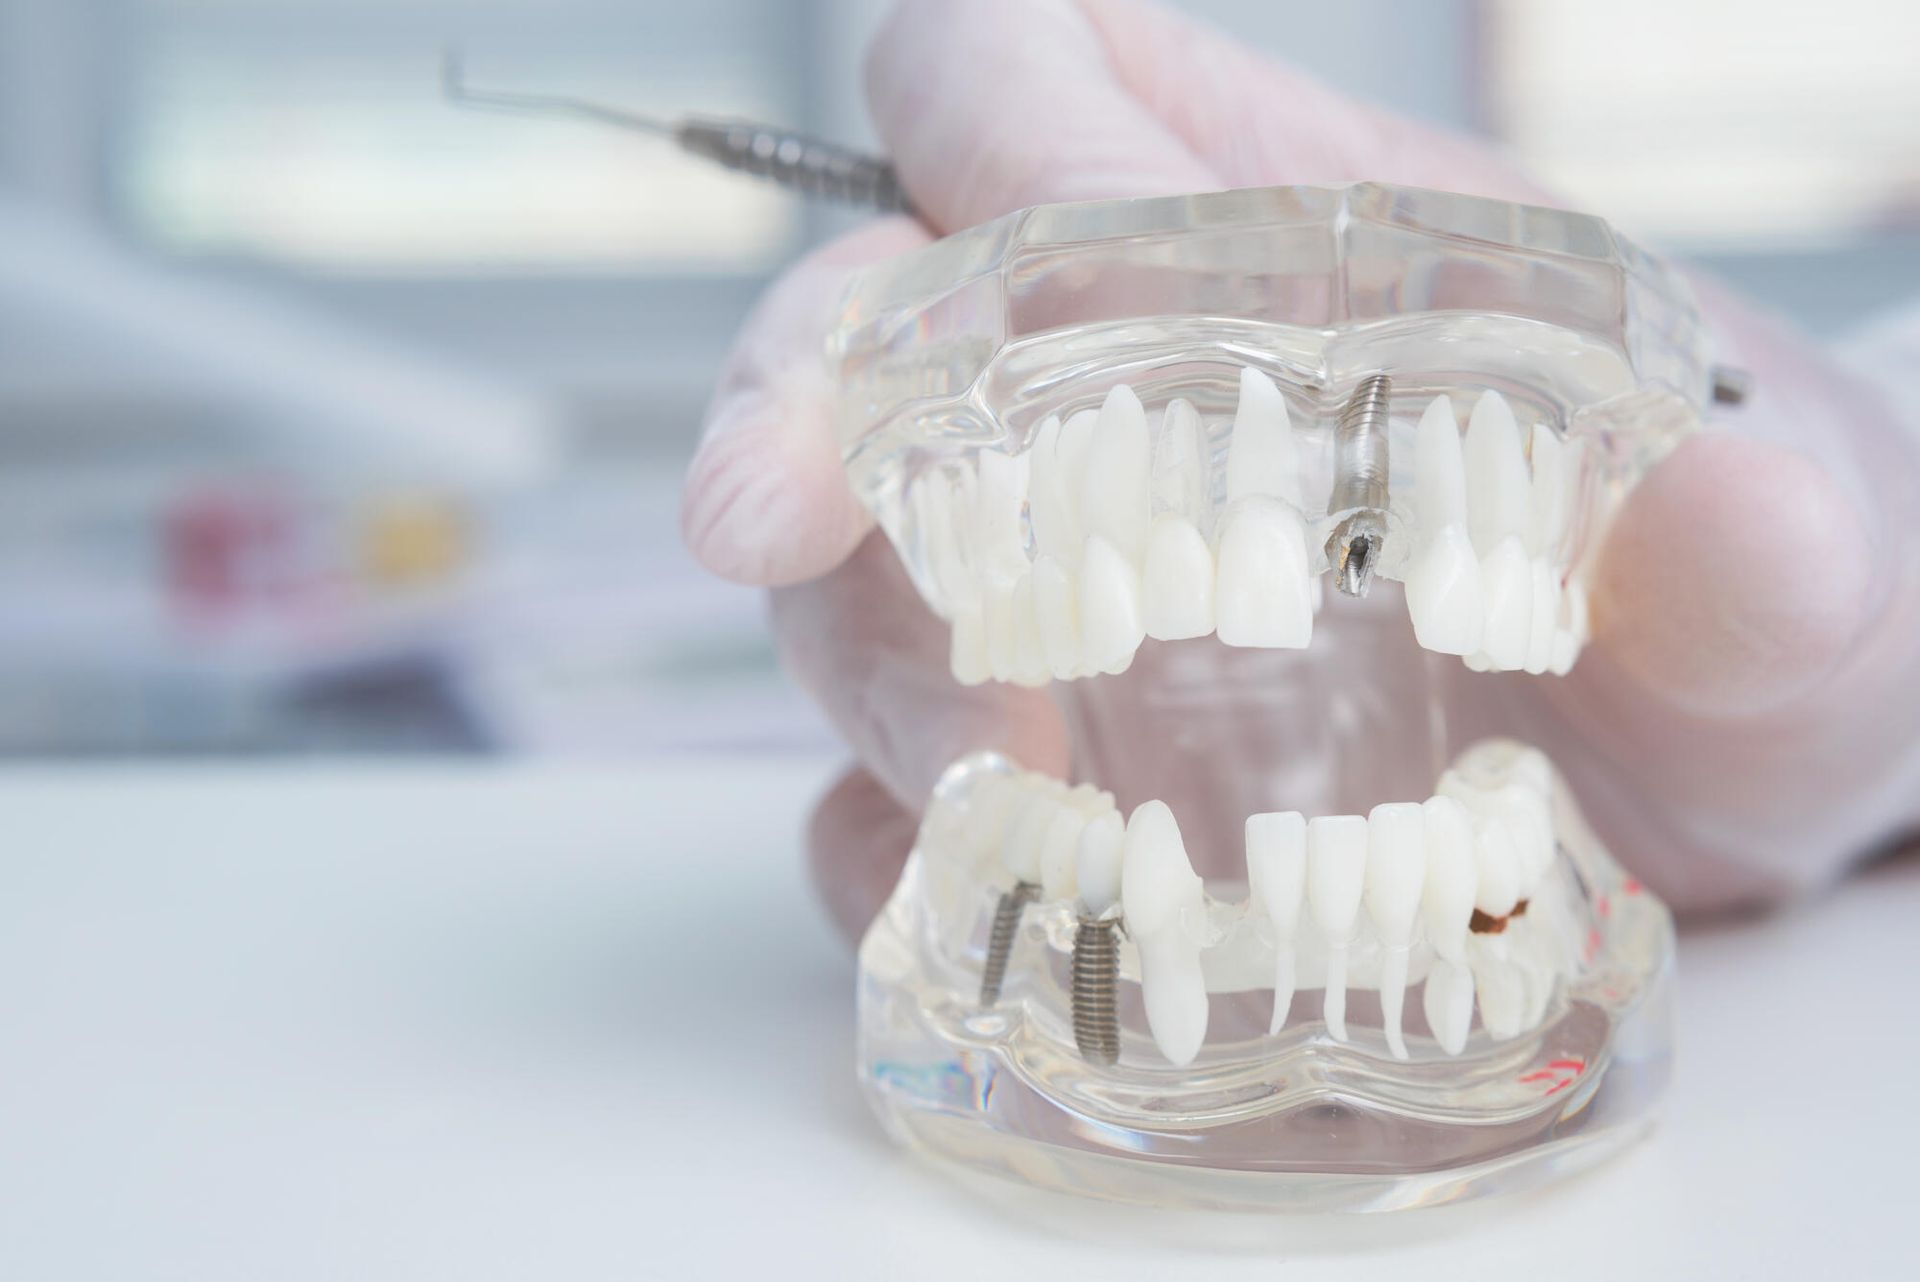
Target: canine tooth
x=1497, y=480
x=1029, y=659
x=1165, y=907
x=1059, y=849
x=1110, y=624
x=1396, y=873
x=1118, y=475
x=1507, y=580
x=1057, y=615
x=1097, y=861
x=1336, y=878
x=1277, y=880
x=1052, y=508
x=1496, y=981
x=1496, y=864
x=1261, y=458
x=1545, y=597
x=1262, y=594
x=1452, y=878
x=1176, y=591
x=967, y=654
x=1444, y=597
x=999, y=496
x=1180, y=462
x=1449, y=1004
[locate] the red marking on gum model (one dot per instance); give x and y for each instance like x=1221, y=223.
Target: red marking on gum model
x=1631, y=887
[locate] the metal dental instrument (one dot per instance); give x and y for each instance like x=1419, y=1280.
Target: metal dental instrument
x=1360, y=481
x=789, y=159
x=1095, y=973
x=1002, y=936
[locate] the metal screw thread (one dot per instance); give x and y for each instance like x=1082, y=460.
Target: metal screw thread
x=1096, y=981
x=1006, y=928
x=1360, y=482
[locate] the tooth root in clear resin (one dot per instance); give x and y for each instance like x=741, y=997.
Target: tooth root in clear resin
x=1262, y=457
x=1277, y=883
x=1336, y=878
x=1396, y=874
x=1180, y=464
x=1117, y=475
x=1496, y=468
x=1449, y=1004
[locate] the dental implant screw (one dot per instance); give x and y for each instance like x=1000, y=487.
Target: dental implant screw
x=1096, y=982
x=1006, y=928
x=1360, y=486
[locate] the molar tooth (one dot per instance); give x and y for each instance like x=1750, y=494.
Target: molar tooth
x=1276, y=878
x=1263, y=595
x=1059, y=851
x=1452, y=878
x=1097, y=861
x=1445, y=600
x=1026, y=836
x=1449, y=1004
x=1177, y=586
x=1118, y=475
x=1496, y=860
x=1262, y=459
x=1336, y=878
x=967, y=654
x=1396, y=874
x=1497, y=481
x=1507, y=580
x=1057, y=615
x=1180, y=463
x=1165, y=907
x=1110, y=621
x=1052, y=507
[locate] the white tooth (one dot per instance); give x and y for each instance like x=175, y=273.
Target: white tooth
x=1507, y=581
x=1058, y=616
x=1452, y=878
x=997, y=606
x=1547, y=501
x=968, y=653
x=1531, y=824
x=1052, y=506
x=1027, y=836
x=1262, y=594
x=1176, y=590
x=1110, y=622
x=1118, y=475
x=1444, y=596
x=1478, y=662
x=1261, y=458
x=1566, y=652
x=1439, y=469
x=1277, y=881
x=1575, y=600
x=1029, y=659
x=1545, y=597
x=1165, y=914
x=1059, y=850
x=1449, y=1004
x=1180, y=463
x=933, y=503
x=1396, y=873
x=1097, y=861
x=1497, y=480
x=1497, y=982
x=1336, y=879
x=1000, y=494
x=1496, y=862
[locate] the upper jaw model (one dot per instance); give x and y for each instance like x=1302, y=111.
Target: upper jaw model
x=1247, y=479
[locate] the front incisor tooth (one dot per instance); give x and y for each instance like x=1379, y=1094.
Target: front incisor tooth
x=1180, y=463
x=1452, y=877
x=1277, y=883
x=1118, y=475
x=1262, y=457
x=1396, y=872
x=1263, y=595
x=1497, y=480
x=1336, y=879
x=1111, y=627
x=1506, y=578
x=1165, y=907
x=1057, y=613
x=1177, y=586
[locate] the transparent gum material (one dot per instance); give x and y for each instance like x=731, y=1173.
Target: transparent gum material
x=963, y=349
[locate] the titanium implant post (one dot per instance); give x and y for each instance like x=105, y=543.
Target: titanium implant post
x=1096, y=979
x=1360, y=482
x=1006, y=928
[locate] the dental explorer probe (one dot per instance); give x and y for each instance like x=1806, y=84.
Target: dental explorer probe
x=787, y=158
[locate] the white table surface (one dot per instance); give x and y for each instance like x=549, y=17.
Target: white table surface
x=368, y=1022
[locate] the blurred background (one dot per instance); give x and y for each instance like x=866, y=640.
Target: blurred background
x=334, y=419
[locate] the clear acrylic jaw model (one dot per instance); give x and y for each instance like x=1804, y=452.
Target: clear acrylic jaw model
x=1251, y=481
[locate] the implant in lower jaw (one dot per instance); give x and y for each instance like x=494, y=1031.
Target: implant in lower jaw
x=1360, y=486
x=1000, y=938
x=1095, y=988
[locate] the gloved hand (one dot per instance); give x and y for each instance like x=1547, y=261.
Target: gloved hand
x=1746, y=720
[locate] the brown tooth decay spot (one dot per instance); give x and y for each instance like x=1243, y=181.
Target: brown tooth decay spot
x=1484, y=924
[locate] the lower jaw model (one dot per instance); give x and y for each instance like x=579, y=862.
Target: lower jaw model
x=1142, y=452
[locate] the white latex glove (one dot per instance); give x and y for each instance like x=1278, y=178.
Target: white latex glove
x=1746, y=721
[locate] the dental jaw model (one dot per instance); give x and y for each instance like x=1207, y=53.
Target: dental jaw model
x=1249, y=481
